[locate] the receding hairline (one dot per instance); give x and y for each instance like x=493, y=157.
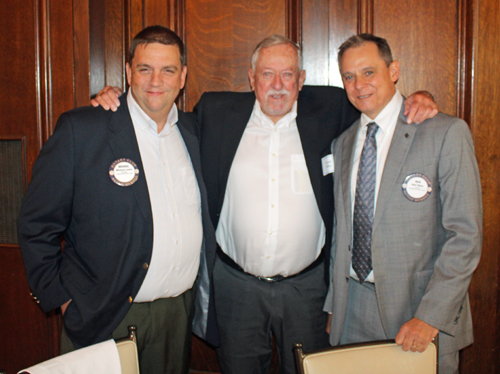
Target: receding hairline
x=275, y=40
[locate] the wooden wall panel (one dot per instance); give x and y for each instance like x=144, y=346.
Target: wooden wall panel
x=424, y=37
x=484, y=355
x=61, y=74
x=221, y=37
x=115, y=52
x=23, y=113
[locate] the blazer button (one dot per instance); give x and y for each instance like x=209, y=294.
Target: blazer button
x=145, y=266
x=349, y=247
x=347, y=279
x=130, y=299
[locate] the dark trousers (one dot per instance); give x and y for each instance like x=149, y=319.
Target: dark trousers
x=250, y=311
x=163, y=333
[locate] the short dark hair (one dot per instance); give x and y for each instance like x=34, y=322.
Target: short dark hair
x=157, y=34
x=358, y=40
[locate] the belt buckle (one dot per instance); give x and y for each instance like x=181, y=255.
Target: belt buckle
x=276, y=278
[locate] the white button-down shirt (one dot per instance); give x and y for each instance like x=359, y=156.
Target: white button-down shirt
x=270, y=223
x=175, y=203
x=386, y=121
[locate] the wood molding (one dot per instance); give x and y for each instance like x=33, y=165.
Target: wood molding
x=293, y=21
x=81, y=45
x=467, y=26
x=365, y=16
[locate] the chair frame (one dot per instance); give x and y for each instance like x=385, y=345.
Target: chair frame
x=123, y=342
x=300, y=355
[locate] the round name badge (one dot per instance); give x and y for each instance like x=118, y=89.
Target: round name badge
x=124, y=172
x=417, y=187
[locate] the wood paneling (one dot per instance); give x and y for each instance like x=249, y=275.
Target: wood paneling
x=221, y=37
x=59, y=51
x=484, y=355
x=425, y=40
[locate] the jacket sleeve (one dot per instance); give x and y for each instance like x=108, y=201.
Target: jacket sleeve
x=45, y=215
x=460, y=195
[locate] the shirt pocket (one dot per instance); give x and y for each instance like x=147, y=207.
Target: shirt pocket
x=301, y=184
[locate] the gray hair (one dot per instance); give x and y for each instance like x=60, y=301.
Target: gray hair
x=271, y=41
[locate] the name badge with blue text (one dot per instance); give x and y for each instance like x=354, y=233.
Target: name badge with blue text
x=417, y=187
x=124, y=172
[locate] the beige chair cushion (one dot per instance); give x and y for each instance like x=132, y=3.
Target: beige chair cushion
x=376, y=359
x=129, y=359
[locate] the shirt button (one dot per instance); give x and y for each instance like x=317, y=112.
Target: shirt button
x=272, y=205
x=176, y=242
x=268, y=257
x=270, y=232
x=130, y=299
x=274, y=154
x=273, y=180
x=145, y=266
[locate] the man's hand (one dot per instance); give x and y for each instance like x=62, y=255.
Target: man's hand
x=65, y=306
x=329, y=323
x=108, y=98
x=416, y=335
x=420, y=106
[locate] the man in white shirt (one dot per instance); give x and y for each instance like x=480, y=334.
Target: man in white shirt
x=270, y=198
x=408, y=216
x=125, y=191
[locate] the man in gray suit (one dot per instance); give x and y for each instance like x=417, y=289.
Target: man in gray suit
x=408, y=216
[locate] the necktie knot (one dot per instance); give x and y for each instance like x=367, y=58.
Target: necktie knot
x=372, y=130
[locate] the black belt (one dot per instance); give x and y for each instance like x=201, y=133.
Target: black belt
x=229, y=261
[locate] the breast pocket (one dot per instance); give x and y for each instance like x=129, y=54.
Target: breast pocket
x=301, y=184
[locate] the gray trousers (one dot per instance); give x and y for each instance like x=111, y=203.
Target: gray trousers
x=163, y=333
x=250, y=311
x=363, y=322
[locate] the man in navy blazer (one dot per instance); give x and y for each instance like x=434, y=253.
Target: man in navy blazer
x=125, y=192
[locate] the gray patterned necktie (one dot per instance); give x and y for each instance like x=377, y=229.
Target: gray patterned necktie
x=364, y=204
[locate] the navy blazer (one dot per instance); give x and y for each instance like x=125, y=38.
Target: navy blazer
x=107, y=229
x=323, y=113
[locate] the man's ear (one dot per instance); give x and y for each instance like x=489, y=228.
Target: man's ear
x=394, y=71
x=251, y=78
x=183, y=76
x=128, y=70
x=302, y=79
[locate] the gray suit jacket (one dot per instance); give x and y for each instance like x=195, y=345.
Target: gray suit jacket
x=423, y=253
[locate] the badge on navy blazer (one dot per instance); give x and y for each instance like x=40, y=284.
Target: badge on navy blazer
x=124, y=172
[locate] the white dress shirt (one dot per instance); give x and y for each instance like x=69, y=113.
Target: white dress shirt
x=175, y=203
x=386, y=121
x=270, y=223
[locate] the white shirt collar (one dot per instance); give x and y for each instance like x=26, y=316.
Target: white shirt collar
x=142, y=120
x=287, y=121
x=388, y=116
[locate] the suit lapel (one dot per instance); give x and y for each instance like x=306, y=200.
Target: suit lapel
x=234, y=123
x=400, y=145
x=347, y=157
x=309, y=132
x=124, y=144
